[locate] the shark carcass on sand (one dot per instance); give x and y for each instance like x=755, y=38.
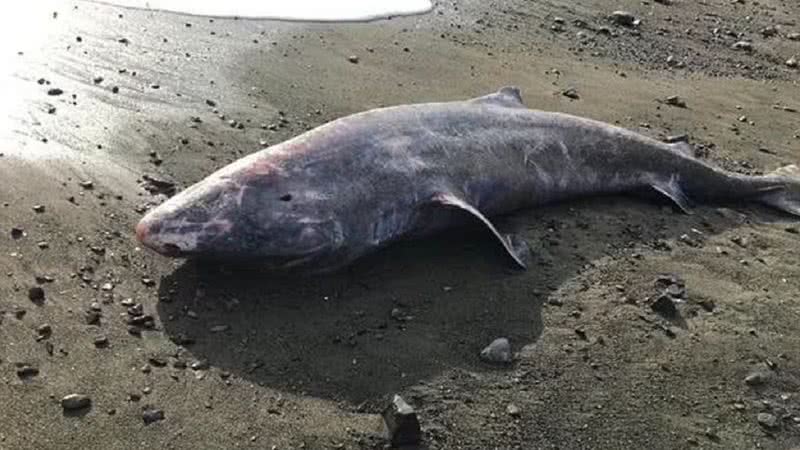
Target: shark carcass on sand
x=356, y=184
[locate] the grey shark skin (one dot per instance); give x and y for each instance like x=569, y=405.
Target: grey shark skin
x=356, y=184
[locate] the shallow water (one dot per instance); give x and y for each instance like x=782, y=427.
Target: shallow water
x=310, y=10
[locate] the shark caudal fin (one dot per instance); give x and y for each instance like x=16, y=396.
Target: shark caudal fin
x=787, y=197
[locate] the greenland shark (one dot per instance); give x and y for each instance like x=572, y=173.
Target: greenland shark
x=333, y=194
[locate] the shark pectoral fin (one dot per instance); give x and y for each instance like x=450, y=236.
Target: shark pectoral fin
x=515, y=246
x=672, y=190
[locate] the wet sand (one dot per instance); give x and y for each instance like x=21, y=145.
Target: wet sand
x=310, y=363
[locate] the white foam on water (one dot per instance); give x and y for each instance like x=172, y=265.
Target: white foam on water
x=299, y=10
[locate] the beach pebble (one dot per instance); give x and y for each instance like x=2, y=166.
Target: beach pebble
x=498, y=352
x=513, y=410
x=767, y=420
x=75, y=401
x=150, y=415
x=624, y=18
x=402, y=423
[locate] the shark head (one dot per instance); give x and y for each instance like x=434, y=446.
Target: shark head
x=248, y=210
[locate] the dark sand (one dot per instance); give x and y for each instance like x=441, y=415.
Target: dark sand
x=309, y=363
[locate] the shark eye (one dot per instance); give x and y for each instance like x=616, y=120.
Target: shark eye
x=286, y=197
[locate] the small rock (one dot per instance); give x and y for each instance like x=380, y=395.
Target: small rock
x=38, y=208
x=17, y=233
x=665, y=306
x=101, y=341
x=353, y=59
x=792, y=62
x=55, y=91
x=624, y=18
x=219, y=328
x=769, y=31
x=513, y=410
x=793, y=36
x=571, y=93
x=36, y=294
x=92, y=317
x=75, y=401
x=402, y=423
x=743, y=45
x=676, y=291
x=498, y=352
x=88, y=184
x=26, y=371
x=157, y=361
x=676, y=138
x=756, y=378
x=674, y=100
x=200, y=364
x=767, y=420
x=707, y=304
x=150, y=415
x=44, y=331
x=397, y=314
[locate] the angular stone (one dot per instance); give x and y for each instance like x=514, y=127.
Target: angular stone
x=402, y=423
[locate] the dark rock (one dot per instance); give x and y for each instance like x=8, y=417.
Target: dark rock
x=353, y=59
x=25, y=371
x=55, y=91
x=101, y=341
x=157, y=361
x=674, y=100
x=36, y=294
x=624, y=18
x=156, y=186
x=75, y=401
x=498, y=352
x=87, y=184
x=38, y=208
x=665, y=306
x=571, y=93
x=92, y=317
x=44, y=331
x=151, y=415
x=17, y=233
x=402, y=423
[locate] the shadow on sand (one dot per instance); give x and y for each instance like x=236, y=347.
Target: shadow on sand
x=405, y=314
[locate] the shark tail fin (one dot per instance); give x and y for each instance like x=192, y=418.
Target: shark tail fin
x=787, y=197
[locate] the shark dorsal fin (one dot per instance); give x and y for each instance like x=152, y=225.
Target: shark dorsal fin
x=509, y=96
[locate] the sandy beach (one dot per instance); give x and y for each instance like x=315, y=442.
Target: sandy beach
x=119, y=108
